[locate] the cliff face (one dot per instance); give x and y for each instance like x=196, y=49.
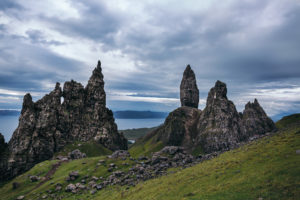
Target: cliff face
x=47, y=125
x=219, y=126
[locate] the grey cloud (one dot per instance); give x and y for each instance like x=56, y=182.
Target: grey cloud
x=9, y=4
x=36, y=36
x=167, y=41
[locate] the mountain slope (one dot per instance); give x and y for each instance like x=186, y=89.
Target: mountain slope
x=268, y=168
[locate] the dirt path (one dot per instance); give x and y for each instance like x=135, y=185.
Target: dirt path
x=52, y=171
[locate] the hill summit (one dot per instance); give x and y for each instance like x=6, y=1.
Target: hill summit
x=218, y=127
x=47, y=125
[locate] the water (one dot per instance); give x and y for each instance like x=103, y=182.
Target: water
x=9, y=123
x=138, y=123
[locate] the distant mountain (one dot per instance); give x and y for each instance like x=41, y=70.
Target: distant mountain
x=132, y=114
x=9, y=112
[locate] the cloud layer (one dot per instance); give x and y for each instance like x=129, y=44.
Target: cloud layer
x=144, y=47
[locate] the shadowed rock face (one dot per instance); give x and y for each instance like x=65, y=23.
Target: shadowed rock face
x=47, y=125
x=3, y=155
x=189, y=93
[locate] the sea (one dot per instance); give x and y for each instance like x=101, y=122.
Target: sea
x=9, y=123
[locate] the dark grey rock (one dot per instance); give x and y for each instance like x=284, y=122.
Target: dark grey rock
x=47, y=125
x=189, y=93
x=70, y=188
x=122, y=154
x=34, y=178
x=76, y=154
x=15, y=185
x=94, y=178
x=219, y=127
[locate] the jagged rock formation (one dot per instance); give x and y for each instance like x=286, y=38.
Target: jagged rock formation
x=218, y=127
x=189, y=93
x=3, y=154
x=3, y=145
x=220, y=124
x=255, y=120
x=47, y=125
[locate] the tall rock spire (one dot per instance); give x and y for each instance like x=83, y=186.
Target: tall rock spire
x=189, y=93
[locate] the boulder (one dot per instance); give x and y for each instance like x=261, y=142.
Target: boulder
x=122, y=154
x=70, y=188
x=76, y=154
x=34, y=178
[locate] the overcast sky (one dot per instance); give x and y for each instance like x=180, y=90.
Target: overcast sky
x=144, y=46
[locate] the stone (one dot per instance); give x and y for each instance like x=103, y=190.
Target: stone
x=15, y=185
x=20, y=197
x=58, y=188
x=122, y=154
x=47, y=125
x=70, y=188
x=189, y=93
x=113, y=165
x=172, y=150
x=80, y=186
x=76, y=154
x=118, y=173
x=72, y=176
x=94, y=178
x=93, y=192
x=99, y=187
x=34, y=178
x=298, y=151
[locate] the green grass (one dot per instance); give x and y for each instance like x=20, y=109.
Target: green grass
x=91, y=149
x=268, y=168
x=288, y=121
x=145, y=146
x=135, y=133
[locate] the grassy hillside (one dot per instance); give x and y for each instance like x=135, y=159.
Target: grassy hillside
x=135, y=133
x=288, y=121
x=91, y=149
x=145, y=146
x=268, y=169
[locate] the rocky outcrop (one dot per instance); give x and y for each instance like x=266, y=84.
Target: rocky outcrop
x=255, y=120
x=189, y=93
x=3, y=156
x=3, y=144
x=218, y=127
x=179, y=127
x=48, y=125
x=76, y=154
